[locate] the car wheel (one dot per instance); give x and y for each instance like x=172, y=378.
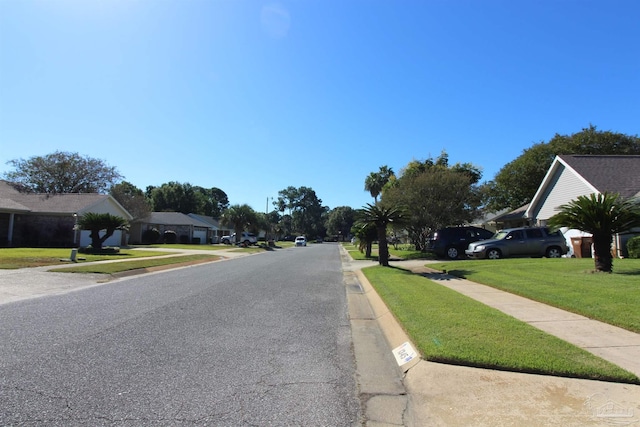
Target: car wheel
x=452, y=252
x=247, y=243
x=554, y=252
x=494, y=254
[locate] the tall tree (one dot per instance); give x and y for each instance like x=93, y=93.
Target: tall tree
x=380, y=217
x=96, y=222
x=602, y=215
x=212, y=201
x=219, y=202
x=287, y=199
x=176, y=197
x=517, y=182
x=131, y=198
x=305, y=209
x=62, y=172
x=375, y=181
x=435, y=195
x=339, y=221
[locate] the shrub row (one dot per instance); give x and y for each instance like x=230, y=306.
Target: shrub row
x=152, y=236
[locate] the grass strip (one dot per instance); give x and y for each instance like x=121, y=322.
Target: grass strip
x=448, y=327
x=566, y=283
x=217, y=246
x=402, y=252
x=12, y=258
x=117, y=267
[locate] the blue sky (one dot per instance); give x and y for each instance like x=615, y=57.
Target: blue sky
x=255, y=96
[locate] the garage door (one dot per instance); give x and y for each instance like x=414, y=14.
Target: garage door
x=202, y=234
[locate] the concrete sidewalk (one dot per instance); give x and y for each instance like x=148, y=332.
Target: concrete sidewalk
x=617, y=345
x=446, y=395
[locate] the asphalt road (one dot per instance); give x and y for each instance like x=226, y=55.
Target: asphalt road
x=256, y=341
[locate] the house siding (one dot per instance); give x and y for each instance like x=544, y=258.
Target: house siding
x=563, y=186
x=106, y=206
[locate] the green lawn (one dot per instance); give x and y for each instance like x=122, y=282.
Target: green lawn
x=185, y=246
x=11, y=258
x=117, y=267
x=403, y=251
x=566, y=283
x=449, y=327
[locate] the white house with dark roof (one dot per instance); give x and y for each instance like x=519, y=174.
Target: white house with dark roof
x=33, y=219
x=571, y=176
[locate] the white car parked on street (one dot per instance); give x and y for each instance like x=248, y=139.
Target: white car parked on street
x=301, y=241
x=245, y=239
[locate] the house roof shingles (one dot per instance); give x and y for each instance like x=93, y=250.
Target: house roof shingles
x=207, y=219
x=613, y=174
x=9, y=205
x=67, y=203
x=173, y=218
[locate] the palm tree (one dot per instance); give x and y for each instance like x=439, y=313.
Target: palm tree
x=602, y=215
x=240, y=217
x=375, y=182
x=96, y=222
x=380, y=216
x=366, y=234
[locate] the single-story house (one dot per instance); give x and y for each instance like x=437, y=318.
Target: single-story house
x=217, y=231
x=188, y=229
x=571, y=176
x=49, y=220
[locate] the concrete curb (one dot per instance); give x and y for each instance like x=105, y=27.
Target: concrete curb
x=375, y=332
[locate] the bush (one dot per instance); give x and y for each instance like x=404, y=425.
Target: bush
x=151, y=236
x=195, y=240
x=184, y=239
x=633, y=246
x=170, y=237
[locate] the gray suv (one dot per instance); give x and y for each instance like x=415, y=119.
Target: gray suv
x=520, y=242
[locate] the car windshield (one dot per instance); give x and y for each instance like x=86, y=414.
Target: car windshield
x=500, y=235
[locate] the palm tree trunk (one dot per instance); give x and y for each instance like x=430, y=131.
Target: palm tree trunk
x=602, y=253
x=96, y=242
x=383, y=247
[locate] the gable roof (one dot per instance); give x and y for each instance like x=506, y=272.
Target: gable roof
x=67, y=203
x=208, y=219
x=510, y=215
x=613, y=174
x=173, y=218
x=8, y=205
